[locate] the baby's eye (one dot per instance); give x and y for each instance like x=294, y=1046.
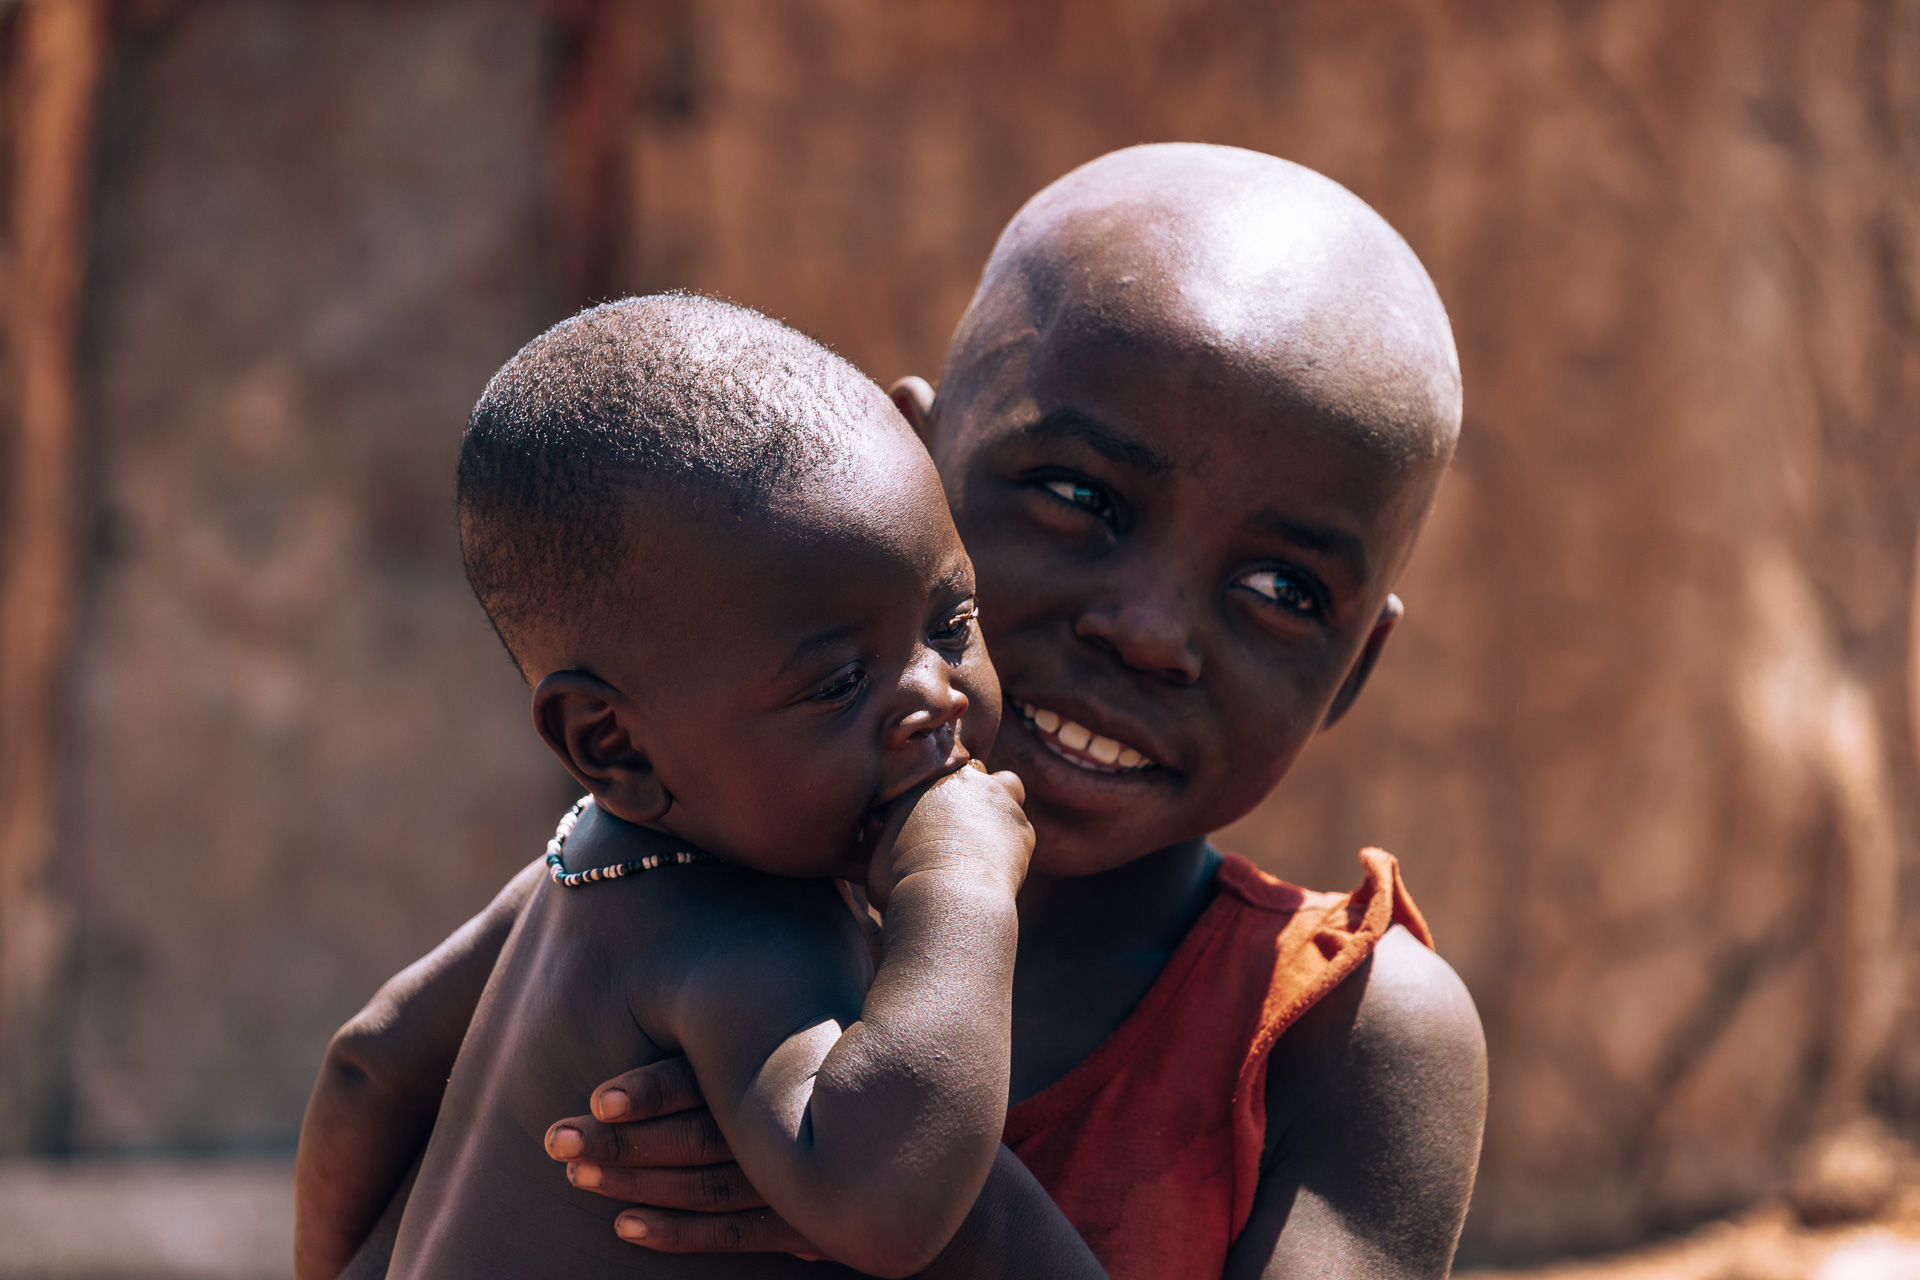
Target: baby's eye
x=1286, y=589
x=1083, y=495
x=843, y=685
x=958, y=627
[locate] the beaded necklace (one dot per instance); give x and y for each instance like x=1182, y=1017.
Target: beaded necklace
x=557, y=867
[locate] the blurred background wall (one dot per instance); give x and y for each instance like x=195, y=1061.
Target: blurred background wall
x=1642, y=743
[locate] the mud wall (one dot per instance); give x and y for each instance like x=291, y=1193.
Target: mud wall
x=1641, y=744
x=299, y=754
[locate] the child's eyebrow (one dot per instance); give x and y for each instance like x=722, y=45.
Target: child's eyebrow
x=960, y=579
x=813, y=644
x=1338, y=543
x=1072, y=424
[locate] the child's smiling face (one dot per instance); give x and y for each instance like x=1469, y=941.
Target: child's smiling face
x=1175, y=584
x=1186, y=504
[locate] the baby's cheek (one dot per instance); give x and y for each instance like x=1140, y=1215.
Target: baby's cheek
x=817, y=809
x=981, y=723
x=980, y=728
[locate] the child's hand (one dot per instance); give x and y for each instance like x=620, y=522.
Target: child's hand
x=652, y=1143
x=970, y=819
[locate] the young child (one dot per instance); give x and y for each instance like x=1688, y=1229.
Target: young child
x=726, y=567
x=1189, y=428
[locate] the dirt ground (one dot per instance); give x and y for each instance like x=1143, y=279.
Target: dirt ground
x=233, y=1220
x=1767, y=1243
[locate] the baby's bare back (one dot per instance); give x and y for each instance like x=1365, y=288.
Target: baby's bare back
x=558, y=1017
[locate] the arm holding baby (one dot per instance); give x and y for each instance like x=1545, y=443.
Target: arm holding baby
x=380, y=1086
x=1375, y=1101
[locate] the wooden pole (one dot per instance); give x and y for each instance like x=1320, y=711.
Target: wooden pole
x=56, y=54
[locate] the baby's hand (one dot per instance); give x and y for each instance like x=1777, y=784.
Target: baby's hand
x=968, y=820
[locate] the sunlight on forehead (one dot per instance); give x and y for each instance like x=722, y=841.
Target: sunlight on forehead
x=1210, y=258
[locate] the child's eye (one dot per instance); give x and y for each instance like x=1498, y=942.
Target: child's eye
x=958, y=627
x=1286, y=589
x=1080, y=494
x=843, y=686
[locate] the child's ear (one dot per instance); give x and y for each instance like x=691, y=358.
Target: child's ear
x=588, y=723
x=1390, y=614
x=914, y=399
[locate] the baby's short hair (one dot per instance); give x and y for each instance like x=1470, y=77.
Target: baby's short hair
x=674, y=391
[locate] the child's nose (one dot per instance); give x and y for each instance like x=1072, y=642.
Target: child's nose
x=931, y=704
x=1147, y=632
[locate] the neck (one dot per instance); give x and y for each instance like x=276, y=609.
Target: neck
x=1150, y=902
x=603, y=838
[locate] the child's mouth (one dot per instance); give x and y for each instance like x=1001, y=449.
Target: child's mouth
x=1082, y=746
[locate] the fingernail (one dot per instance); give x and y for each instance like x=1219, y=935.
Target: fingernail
x=584, y=1175
x=613, y=1104
x=567, y=1143
x=630, y=1228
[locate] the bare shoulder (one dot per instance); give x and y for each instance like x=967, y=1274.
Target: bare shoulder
x=1403, y=1027
x=730, y=950
x=1375, y=1103
x=1412, y=1007
x=718, y=910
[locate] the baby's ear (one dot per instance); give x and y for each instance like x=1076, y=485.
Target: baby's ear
x=590, y=726
x=1390, y=614
x=914, y=399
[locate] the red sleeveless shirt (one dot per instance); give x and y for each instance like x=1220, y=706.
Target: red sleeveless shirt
x=1152, y=1145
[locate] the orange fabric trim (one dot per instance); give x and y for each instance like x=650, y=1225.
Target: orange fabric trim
x=1299, y=982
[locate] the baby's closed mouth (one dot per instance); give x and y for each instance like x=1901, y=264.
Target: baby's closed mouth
x=954, y=756
x=1075, y=742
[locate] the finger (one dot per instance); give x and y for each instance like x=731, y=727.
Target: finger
x=684, y=1138
x=653, y=1090
x=755, y=1231
x=712, y=1188
x=1015, y=788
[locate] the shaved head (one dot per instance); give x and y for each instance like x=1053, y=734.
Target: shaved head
x=1208, y=256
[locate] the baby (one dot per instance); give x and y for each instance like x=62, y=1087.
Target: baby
x=725, y=565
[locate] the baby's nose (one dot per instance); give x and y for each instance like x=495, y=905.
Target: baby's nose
x=937, y=708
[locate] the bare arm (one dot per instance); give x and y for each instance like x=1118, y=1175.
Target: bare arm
x=1015, y=1232
x=874, y=1140
x=380, y=1087
x=1375, y=1102
x=652, y=1143
x=375, y=1253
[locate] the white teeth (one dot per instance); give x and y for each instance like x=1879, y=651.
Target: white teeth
x=1077, y=737
x=1080, y=737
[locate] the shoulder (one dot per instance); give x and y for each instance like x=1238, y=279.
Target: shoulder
x=714, y=911
x=1412, y=1071
x=1375, y=1103
x=1412, y=1003
x=725, y=943
x=1399, y=1042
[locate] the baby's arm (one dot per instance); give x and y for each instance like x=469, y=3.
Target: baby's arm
x=652, y=1144
x=875, y=1139
x=380, y=1086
